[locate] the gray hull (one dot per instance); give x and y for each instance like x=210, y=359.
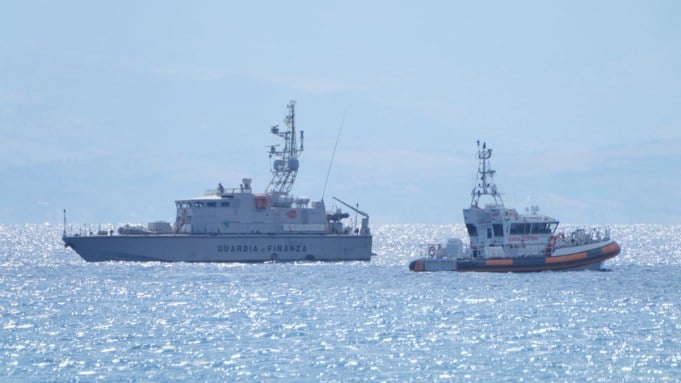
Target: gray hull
x=212, y=248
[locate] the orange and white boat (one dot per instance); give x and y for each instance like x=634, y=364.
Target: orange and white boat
x=501, y=240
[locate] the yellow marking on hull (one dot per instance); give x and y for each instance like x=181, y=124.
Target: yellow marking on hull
x=566, y=258
x=498, y=262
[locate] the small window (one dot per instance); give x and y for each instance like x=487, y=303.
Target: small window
x=224, y=204
x=498, y=230
x=489, y=232
x=211, y=204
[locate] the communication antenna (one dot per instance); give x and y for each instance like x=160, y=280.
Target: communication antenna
x=485, y=181
x=333, y=155
x=285, y=165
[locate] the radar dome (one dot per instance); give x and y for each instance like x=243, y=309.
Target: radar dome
x=293, y=164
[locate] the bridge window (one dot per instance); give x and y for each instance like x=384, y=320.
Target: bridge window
x=198, y=204
x=211, y=204
x=224, y=204
x=498, y=230
x=542, y=228
x=472, y=230
x=520, y=228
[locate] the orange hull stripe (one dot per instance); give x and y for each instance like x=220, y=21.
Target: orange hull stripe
x=611, y=248
x=566, y=258
x=499, y=262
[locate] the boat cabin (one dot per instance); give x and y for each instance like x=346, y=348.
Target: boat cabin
x=241, y=211
x=504, y=228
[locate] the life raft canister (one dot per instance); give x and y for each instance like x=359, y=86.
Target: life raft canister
x=261, y=201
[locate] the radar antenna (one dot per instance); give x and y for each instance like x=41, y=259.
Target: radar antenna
x=485, y=180
x=285, y=164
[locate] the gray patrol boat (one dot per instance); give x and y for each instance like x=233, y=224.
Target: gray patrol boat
x=237, y=225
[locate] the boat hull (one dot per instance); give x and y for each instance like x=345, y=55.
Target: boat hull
x=213, y=248
x=590, y=258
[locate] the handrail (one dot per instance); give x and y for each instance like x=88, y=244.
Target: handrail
x=225, y=191
x=586, y=235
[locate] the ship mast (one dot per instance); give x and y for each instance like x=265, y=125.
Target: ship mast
x=285, y=165
x=485, y=180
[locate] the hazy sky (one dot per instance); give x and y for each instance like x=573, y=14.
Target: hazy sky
x=113, y=110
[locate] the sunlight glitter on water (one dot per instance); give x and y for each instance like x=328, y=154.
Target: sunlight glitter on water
x=65, y=319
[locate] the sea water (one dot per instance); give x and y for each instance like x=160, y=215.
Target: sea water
x=62, y=319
